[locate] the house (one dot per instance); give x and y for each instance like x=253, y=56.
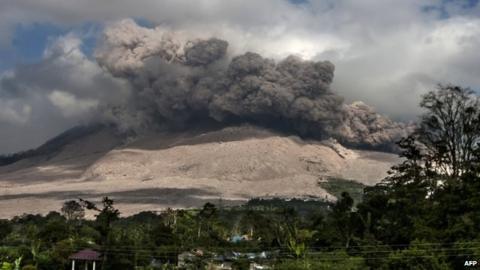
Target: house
x=85, y=257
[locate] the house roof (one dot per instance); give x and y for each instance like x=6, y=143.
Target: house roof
x=86, y=255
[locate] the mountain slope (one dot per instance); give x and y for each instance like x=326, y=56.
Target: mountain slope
x=183, y=169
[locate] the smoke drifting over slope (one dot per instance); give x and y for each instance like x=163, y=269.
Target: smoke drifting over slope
x=177, y=80
x=362, y=126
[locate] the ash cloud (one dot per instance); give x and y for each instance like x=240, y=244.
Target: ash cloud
x=294, y=91
x=205, y=52
x=178, y=78
x=362, y=126
x=145, y=79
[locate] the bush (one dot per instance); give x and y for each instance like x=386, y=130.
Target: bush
x=6, y=266
x=241, y=265
x=29, y=267
x=329, y=260
x=417, y=256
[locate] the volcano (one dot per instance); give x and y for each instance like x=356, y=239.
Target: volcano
x=180, y=169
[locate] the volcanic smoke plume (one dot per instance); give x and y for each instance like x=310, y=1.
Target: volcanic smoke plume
x=177, y=79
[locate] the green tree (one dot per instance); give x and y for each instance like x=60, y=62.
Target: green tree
x=449, y=130
x=433, y=194
x=103, y=219
x=73, y=210
x=204, y=217
x=345, y=220
x=5, y=229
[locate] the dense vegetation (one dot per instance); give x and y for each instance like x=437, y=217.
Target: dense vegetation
x=425, y=215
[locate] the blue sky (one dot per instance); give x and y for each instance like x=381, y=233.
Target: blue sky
x=442, y=8
x=29, y=41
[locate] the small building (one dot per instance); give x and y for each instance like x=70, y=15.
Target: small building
x=86, y=258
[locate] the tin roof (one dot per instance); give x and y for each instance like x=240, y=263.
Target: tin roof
x=86, y=255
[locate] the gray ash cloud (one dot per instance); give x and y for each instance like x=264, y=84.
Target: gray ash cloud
x=363, y=127
x=177, y=79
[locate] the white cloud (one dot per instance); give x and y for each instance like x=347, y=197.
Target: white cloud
x=396, y=70
x=69, y=105
x=14, y=112
x=40, y=100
